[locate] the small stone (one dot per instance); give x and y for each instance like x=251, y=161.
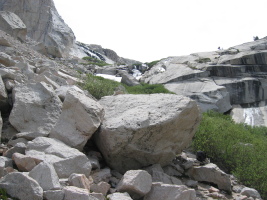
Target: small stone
x=101, y=187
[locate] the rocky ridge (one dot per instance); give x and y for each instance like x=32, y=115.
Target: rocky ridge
x=232, y=80
x=59, y=144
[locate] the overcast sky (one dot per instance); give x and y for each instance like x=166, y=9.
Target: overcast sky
x=147, y=30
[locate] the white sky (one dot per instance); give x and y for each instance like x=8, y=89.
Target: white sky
x=147, y=30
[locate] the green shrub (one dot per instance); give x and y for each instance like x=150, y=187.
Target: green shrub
x=145, y=88
x=3, y=194
x=94, y=61
x=99, y=87
x=240, y=149
x=203, y=60
x=151, y=64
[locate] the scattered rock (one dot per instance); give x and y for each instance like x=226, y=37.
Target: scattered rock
x=137, y=183
x=161, y=191
x=101, y=187
x=45, y=174
x=211, y=173
x=54, y=195
x=71, y=193
x=66, y=160
x=80, y=181
x=101, y=175
x=24, y=163
x=18, y=148
x=119, y=196
x=250, y=192
x=13, y=25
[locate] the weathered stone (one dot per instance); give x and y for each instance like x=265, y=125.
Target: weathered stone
x=171, y=171
x=98, y=196
x=24, y=163
x=80, y=181
x=80, y=118
x=43, y=24
x=128, y=79
x=18, y=148
x=3, y=97
x=65, y=159
x=137, y=183
x=158, y=175
x=101, y=175
x=62, y=91
x=161, y=191
x=6, y=60
x=140, y=130
x=54, y=195
x=71, y=193
x=13, y=25
x=36, y=108
x=191, y=183
x=250, y=192
x=119, y=196
x=4, y=163
x=31, y=135
x=211, y=173
x=205, y=92
x=101, y=187
x=15, y=141
x=45, y=174
x=21, y=186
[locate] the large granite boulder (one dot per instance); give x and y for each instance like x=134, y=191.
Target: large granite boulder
x=12, y=24
x=140, y=130
x=44, y=24
x=36, y=108
x=80, y=118
x=66, y=160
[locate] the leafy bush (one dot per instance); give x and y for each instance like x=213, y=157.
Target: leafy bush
x=94, y=61
x=238, y=148
x=151, y=64
x=99, y=87
x=145, y=88
x=3, y=194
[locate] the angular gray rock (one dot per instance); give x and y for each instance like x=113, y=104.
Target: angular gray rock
x=119, y=196
x=211, y=173
x=80, y=181
x=137, y=183
x=31, y=135
x=43, y=24
x=80, y=118
x=66, y=160
x=4, y=163
x=101, y=187
x=140, y=130
x=6, y=60
x=45, y=174
x=36, y=108
x=161, y=191
x=30, y=189
x=18, y=148
x=101, y=175
x=250, y=192
x=3, y=97
x=13, y=25
x=24, y=163
x=54, y=195
x=71, y=193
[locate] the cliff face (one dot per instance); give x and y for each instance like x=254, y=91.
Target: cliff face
x=43, y=24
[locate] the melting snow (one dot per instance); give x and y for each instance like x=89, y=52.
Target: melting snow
x=111, y=77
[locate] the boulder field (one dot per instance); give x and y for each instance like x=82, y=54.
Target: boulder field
x=60, y=143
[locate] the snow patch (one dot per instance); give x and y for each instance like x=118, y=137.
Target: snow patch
x=110, y=77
